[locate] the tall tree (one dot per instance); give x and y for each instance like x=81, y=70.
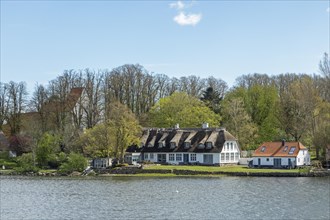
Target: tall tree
x=17, y=96
x=4, y=106
x=212, y=99
x=126, y=128
x=92, y=105
x=324, y=67
x=239, y=122
x=181, y=108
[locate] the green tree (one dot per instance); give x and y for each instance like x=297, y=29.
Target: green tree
x=75, y=162
x=181, y=108
x=125, y=128
x=112, y=137
x=98, y=141
x=238, y=121
x=46, y=149
x=212, y=99
x=261, y=104
x=26, y=163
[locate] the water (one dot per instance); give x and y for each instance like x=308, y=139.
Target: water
x=164, y=198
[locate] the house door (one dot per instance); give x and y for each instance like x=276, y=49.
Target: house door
x=259, y=162
x=277, y=162
x=185, y=158
x=208, y=158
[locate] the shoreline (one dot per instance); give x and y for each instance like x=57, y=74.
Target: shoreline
x=137, y=172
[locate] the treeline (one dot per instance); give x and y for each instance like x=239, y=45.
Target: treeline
x=257, y=108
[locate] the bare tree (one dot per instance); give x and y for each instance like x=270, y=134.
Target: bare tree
x=17, y=96
x=92, y=103
x=4, y=107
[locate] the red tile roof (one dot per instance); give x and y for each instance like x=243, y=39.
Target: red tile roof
x=277, y=149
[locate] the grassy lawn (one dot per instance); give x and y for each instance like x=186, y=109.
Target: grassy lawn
x=6, y=172
x=222, y=169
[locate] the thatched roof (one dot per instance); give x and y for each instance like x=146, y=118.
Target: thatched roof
x=194, y=137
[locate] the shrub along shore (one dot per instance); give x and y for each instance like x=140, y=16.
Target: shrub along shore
x=172, y=171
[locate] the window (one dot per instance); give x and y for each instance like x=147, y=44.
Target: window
x=160, y=144
x=222, y=156
x=178, y=157
x=298, y=160
x=173, y=145
x=267, y=159
x=227, y=146
x=303, y=152
x=285, y=149
x=263, y=149
x=292, y=149
x=146, y=156
x=151, y=156
x=186, y=144
x=232, y=155
x=231, y=146
x=209, y=145
x=192, y=157
x=236, y=156
x=227, y=156
x=171, y=157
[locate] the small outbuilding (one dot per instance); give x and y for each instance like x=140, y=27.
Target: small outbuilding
x=280, y=155
x=102, y=163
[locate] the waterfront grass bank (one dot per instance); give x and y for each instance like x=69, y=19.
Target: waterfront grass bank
x=178, y=170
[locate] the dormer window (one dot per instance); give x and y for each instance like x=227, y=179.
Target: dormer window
x=186, y=144
x=173, y=145
x=285, y=149
x=150, y=145
x=292, y=149
x=263, y=149
x=209, y=145
x=161, y=144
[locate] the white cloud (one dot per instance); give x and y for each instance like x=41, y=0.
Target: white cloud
x=177, y=5
x=187, y=19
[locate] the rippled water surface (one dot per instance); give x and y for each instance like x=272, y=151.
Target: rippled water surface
x=164, y=198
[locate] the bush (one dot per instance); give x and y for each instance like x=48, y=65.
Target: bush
x=75, y=162
x=8, y=164
x=4, y=155
x=26, y=164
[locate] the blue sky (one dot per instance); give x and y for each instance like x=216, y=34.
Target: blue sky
x=224, y=39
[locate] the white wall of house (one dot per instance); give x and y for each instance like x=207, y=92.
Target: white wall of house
x=264, y=161
x=178, y=157
x=230, y=153
x=303, y=158
x=102, y=162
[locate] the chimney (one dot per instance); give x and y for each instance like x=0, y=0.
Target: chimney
x=176, y=126
x=283, y=142
x=205, y=125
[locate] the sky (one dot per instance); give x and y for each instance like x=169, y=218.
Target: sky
x=223, y=39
